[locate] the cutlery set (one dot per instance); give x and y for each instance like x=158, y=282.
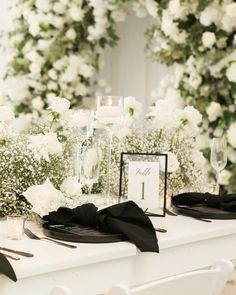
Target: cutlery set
x=15, y=253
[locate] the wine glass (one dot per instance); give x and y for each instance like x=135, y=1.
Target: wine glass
x=90, y=164
x=218, y=156
x=81, y=124
x=110, y=110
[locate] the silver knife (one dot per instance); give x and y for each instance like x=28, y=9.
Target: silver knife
x=26, y=254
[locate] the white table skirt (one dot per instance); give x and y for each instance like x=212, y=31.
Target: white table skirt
x=93, y=268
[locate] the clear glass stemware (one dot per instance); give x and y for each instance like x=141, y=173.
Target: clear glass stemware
x=110, y=110
x=218, y=157
x=90, y=165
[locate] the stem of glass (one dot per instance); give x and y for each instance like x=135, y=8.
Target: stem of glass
x=217, y=182
x=108, y=166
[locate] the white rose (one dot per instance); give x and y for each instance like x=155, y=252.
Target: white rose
x=38, y=103
x=44, y=198
x=71, y=187
x=43, y=145
x=59, y=8
x=228, y=23
x=52, y=74
x=132, y=107
x=34, y=28
x=231, y=134
x=52, y=144
x=151, y=7
x=172, y=162
x=43, y=44
x=208, y=39
x=177, y=9
x=231, y=9
x=124, y=128
x=76, y=13
x=195, y=80
x=231, y=153
x=43, y=5
x=224, y=177
x=71, y=34
x=214, y=111
x=231, y=72
x=59, y=105
x=6, y=115
x=210, y=15
x=35, y=68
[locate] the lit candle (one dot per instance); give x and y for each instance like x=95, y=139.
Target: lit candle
x=109, y=114
x=15, y=227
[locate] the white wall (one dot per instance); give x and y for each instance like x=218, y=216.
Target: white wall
x=126, y=69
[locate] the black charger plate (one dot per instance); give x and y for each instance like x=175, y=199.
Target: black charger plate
x=204, y=212
x=80, y=234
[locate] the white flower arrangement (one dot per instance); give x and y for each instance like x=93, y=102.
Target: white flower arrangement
x=207, y=63
x=36, y=167
x=165, y=130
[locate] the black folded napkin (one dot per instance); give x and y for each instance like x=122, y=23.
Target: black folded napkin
x=226, y=202
x=6, y=268
x=125, y=218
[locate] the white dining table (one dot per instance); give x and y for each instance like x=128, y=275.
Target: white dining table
x=92, y=268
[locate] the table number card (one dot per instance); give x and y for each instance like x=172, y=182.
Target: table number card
x=143, y=179
x=143, y=183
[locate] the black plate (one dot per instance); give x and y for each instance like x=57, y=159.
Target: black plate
x=204, y=212
x=80, y=234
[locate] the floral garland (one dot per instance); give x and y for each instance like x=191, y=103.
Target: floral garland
x=200, y=35
x=55, y=48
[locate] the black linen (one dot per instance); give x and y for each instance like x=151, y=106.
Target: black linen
x=226, y=202
x=125, y=218
x=6, y=268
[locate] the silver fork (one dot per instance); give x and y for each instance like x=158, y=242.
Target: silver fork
x=33, y=236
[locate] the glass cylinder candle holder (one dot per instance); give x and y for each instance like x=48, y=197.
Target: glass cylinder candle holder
x=15, y=227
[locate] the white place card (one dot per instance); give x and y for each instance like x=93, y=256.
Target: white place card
x=143, y=183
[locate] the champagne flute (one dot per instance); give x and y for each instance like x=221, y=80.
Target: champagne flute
x=110, y=110
x=80, y=121
x=218, y=156
x=90, y=165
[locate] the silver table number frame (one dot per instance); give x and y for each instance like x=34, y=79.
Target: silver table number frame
x=143, y=179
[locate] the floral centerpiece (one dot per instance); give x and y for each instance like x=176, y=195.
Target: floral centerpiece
x=36, y=172
x=36, y=165
x=166, y=129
